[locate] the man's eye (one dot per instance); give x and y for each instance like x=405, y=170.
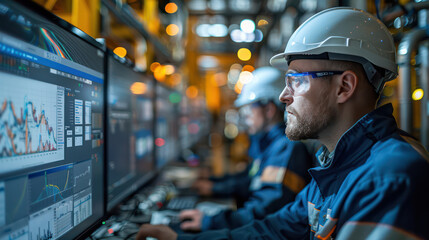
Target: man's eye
x=297, y=82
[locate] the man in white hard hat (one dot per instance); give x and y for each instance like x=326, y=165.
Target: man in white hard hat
x=374, y=181
x=279, y=169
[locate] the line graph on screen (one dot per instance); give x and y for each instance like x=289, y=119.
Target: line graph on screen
x=31, y=121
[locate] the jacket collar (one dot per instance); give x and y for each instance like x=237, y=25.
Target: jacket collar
x=355, y=142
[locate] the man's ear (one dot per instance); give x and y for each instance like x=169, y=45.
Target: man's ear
x=348, y=82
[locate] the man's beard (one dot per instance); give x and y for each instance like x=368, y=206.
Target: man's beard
x=310, y=124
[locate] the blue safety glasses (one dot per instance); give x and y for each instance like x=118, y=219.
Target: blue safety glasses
x=299, y=82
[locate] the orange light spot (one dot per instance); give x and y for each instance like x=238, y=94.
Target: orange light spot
x=120, y=51
x=248, y=68
x=154, y=65
x=159, y=73
x=171, y=8
x=138, y=88
x=192, y=92
x=172, y=30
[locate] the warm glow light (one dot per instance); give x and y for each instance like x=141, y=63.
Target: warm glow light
x=159, y=73
x=172, y=30
x=248, y=68
x=262, y=22
x=138, y=88
x=221, y=78
x=244, y=54
x=171, y=8
x=154, y=65
x=231, y=131
x=418, y=94
x=169, y=69
x=192, y=92
x=175, y=79
x=120, y=51
x=238, y=87
x=245, y=77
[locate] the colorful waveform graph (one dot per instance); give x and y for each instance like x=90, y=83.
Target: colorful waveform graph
x=50, y=186
x=31, y=122
x=51, y=43
x=26, y=133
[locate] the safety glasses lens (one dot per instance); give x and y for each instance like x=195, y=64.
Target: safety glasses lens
x=298, y=84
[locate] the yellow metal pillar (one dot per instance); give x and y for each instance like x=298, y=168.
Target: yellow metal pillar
x=86, y=16
x=212, y=93
x=150, y=18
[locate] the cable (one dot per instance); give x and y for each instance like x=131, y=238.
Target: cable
x=377, y=8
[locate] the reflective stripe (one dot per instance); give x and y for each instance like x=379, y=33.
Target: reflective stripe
x=313, y=216
x=326, y=231
x=375, y=231
x=293, y=181
x=273, y=174
x=255, y=167
x=255, y=184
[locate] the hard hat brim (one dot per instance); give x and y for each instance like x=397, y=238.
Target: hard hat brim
x=279, y=61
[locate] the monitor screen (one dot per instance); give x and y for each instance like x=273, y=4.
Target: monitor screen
x=194, y=121
x=51, y=126
x=130, y=131
x=167, y=120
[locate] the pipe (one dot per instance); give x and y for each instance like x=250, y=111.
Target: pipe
x=408, y=44
x=399, y=10
x=424, y=84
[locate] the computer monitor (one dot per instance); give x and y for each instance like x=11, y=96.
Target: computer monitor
x=130, y=130
x=51, y=126
x=194, y=121
x=167, y=118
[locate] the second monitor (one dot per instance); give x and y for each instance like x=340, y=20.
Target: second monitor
x=130, y=130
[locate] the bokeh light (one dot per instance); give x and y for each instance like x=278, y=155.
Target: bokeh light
x=244, y=54
x=120, y=51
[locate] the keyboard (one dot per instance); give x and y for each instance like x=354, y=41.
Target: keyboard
x=182, y=203
x=165, y=217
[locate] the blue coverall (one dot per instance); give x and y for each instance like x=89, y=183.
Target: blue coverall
x=279, y=171
x=237, y=185
x=375, y=187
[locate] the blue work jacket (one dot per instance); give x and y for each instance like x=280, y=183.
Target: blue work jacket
x=279, y=171
x=238, y=185
x=376, y=187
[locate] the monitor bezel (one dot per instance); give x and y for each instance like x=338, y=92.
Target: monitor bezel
x=42, y=12
x=148, y=178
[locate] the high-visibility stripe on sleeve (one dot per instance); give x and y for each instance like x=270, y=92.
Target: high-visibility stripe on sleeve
x=326, y=231
x=275, y=174
x=369, y=230
x=293, y=181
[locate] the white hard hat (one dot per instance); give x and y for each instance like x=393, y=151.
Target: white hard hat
x=266, y=85
x=344, y=34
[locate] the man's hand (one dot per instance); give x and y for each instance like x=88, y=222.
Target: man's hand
x=160, y=232
x=204, y=187
x=193, y=219
x=204, y=173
